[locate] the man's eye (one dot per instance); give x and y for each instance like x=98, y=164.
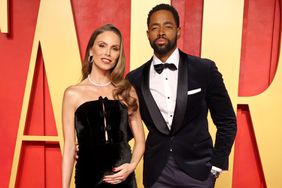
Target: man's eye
x=169, y=26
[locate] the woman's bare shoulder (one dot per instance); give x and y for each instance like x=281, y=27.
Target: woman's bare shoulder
x=74, y=91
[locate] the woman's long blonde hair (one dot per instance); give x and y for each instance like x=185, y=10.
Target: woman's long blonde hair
x=122, y=86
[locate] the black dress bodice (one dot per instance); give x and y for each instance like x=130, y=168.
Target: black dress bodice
x=103, y=134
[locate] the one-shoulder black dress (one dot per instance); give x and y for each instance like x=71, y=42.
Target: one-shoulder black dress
x=103, y=134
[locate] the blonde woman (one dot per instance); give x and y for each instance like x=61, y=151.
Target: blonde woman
x=102, y=111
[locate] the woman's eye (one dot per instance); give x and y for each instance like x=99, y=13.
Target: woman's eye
x=116, y=49
x=101, y=45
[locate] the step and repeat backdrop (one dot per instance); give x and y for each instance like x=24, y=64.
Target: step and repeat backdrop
x=42, y=43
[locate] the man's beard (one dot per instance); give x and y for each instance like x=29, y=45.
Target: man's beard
x=163, y=49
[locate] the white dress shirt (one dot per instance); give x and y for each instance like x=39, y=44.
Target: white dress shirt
x=164, y=86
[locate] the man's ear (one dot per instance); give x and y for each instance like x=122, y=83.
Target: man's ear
x=178, y=34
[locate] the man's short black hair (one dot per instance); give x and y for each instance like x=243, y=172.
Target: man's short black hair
x=164, y=7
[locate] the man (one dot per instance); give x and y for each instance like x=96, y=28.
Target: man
x=175, y=91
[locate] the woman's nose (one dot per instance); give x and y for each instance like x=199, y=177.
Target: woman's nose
x=108, y=52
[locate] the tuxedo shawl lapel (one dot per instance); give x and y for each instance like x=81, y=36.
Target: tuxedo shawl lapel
x=181, y=98
x=151, y=104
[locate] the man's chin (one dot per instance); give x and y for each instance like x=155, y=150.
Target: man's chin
x=161, y=51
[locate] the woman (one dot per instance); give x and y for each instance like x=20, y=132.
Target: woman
x=102, y=112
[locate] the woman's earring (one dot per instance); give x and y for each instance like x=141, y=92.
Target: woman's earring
x=90, y=59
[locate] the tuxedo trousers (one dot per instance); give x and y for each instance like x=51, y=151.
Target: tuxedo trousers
x=173, y=177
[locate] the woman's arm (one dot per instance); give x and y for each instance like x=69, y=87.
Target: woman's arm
x=69, y=137
x=124, y=170
x=137, y=129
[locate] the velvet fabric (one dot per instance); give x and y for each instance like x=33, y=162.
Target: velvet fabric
x=189, y=140
x=98, y=153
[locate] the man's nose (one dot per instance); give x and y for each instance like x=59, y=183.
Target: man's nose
x=161, y=32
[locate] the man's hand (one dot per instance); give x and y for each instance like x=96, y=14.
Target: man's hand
x=76, y=151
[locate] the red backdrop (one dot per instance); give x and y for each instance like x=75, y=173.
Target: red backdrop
x=40, y=162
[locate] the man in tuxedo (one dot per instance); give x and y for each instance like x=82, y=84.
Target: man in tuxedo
x=176, y=91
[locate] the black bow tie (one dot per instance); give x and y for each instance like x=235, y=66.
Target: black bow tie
x=160, y=67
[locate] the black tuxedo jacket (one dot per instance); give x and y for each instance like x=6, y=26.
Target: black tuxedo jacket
x=200, y=88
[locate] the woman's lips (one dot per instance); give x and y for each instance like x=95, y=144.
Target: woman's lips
x=106, y=60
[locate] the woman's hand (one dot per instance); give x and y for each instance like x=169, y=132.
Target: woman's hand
x=123, y=171
x=120, y=173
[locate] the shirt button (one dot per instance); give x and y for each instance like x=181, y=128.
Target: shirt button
x=170, y=149
x=166, y=78
x=168, y=97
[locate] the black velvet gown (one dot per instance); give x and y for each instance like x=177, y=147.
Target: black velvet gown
x=103, y=134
